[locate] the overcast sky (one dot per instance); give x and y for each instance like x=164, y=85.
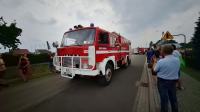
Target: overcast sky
x=138, y=20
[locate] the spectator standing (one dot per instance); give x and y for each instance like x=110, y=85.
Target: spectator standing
x=156, y=57
x=157, y=54
x=2, y=71
x=167, y=73
x=24, y=67
x=150, y=54
x=51, y=67
x=178, y=55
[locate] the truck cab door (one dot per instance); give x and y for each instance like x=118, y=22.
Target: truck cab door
x=103, y=39
x=102, y=45
x=115, y=45
x=118, y=47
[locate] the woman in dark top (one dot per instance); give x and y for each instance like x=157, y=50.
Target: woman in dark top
x=24, y=67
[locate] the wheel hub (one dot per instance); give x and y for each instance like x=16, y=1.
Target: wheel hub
x=108, y=74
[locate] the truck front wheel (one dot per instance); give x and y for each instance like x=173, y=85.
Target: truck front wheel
x=128, y=62
x=106, y=79
x=76, y=77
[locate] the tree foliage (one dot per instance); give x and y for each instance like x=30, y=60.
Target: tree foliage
x=187, y=45
x=9, y=34
x=196, y=45
x=150, y=44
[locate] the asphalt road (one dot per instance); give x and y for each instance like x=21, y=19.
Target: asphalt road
x=86, y=95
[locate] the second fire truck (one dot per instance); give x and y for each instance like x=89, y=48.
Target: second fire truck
x=92, y=51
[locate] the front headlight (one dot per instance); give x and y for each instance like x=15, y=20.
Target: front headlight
x=84, y=65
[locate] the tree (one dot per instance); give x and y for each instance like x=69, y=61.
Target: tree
x=9, y=34
x=150, y=44
x=186, y=45
x=196, y=45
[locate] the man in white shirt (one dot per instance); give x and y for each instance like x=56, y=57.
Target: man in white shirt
x=167, y=70
x=177, y=54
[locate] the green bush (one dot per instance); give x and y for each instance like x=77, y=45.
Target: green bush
x=38, y=58
x=37, y=70
x=189, y=61
x=12, y=60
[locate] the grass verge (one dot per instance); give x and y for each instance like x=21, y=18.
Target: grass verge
x=38, y=70
x=192, y=72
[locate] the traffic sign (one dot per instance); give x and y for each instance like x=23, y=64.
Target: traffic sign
x=167, y=36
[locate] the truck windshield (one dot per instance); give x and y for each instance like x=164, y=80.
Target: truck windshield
x=79, y=37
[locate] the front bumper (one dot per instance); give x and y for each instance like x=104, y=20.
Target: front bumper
x=69, y=66
x=70, y=73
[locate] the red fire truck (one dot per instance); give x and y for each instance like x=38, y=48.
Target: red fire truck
x=142, y=50
x=92, y=51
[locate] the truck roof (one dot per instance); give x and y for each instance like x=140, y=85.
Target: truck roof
x=81, y=29
x=96, y=28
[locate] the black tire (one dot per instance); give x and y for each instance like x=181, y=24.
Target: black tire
x=76, y=77
x=105, y=80
x=127, y=63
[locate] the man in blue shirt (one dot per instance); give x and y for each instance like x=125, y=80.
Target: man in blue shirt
x=167, y=72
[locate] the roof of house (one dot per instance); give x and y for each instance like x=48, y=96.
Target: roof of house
x=21, y=51
x=42, y=51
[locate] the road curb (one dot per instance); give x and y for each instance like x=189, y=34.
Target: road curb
x=154, y=99
x=141, y=103
x=147, y=99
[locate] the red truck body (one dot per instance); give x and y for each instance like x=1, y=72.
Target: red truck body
x=92, y=51
x=142, y=50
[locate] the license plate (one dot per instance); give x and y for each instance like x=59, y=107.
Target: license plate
x=67, y=71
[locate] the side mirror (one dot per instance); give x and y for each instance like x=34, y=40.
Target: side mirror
x=85, y=42
x=55, y=44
